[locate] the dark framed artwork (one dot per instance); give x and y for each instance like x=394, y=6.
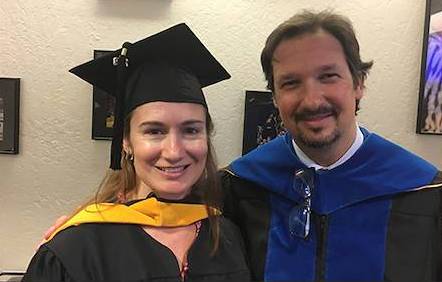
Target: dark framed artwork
x=9, y=115
x=261, y=120
x=11, y=275
x=429, y=118
x=103, y=106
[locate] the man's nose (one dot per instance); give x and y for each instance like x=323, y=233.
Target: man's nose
x=313, y=94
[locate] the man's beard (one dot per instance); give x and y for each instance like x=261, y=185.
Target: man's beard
x=322, y=143
x=316, y=143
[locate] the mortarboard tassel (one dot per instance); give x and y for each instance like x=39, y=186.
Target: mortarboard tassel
x=122, y=63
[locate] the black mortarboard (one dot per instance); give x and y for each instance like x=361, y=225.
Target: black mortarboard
x=170, y=66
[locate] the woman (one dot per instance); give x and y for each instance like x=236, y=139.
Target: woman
x=162, y=154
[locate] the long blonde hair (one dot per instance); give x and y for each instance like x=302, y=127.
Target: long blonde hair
x=117, y=184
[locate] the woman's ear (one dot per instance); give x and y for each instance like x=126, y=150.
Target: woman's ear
x=128, y=152
x=126, y=146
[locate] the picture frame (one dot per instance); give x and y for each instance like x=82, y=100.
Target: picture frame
x=103, y=106
x=9, y=115
x=12, y=275
x=429, y=117
x=261, y=120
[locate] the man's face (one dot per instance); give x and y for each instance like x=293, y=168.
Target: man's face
x=314, y=90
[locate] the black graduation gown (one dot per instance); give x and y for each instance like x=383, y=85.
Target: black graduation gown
x=124, y=252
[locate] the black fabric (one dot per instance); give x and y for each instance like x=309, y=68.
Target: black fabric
x=249, y=208
x=420, y=210
x=412, y=237
x=123, y=252
x=195, y=197
x=177, y=46
x=162, y=82
x=413, y=250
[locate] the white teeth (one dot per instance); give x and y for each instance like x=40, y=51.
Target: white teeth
x=172, y=169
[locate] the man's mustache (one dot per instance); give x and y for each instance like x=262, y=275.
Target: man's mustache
x=307, y=114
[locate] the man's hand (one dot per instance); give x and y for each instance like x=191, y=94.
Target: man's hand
x=59, y=222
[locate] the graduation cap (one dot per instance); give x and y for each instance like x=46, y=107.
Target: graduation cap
x=170, y=66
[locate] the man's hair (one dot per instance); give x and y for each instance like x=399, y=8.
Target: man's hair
x=307, y=22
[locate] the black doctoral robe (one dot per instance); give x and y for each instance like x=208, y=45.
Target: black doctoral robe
x=373, y=218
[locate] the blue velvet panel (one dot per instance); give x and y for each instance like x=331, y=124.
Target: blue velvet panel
x=288, y=259
x=355, y=244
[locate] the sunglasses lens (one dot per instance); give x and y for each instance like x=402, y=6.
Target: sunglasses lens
x=298, y=221
x=299, y=216
x=302, y=187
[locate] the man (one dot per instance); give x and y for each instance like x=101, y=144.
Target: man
x=331, y=201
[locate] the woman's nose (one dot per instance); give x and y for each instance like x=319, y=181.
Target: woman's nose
x=173, y=148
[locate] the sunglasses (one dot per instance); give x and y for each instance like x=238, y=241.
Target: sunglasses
x=299, y=216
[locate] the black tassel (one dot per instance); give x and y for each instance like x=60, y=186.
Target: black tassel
x=122, y=63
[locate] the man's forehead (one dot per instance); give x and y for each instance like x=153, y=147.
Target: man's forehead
x=319, y=40
x=320, y=51
x=290, y=72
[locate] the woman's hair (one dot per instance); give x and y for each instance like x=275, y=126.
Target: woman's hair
x=117, y=184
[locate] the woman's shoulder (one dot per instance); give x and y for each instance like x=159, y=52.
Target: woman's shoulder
x=79, y=241
x=78, y=250
x=46, y=266
x=87, y=237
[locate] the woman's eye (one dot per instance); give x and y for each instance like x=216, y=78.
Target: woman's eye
x=192, y=130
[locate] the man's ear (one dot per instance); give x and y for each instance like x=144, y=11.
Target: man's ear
x=359, y=91
x=359, y=88
x=274, y=100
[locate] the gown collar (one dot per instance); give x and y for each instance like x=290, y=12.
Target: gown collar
x=378, y=168
x=151, y=211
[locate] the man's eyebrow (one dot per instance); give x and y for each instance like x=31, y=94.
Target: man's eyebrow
x=328, y=67
x=287, y=76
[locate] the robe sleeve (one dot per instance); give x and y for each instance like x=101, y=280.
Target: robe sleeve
x=45, y=266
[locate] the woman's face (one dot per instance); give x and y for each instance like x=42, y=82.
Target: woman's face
x=169, y=145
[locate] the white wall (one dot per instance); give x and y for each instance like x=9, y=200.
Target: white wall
x=59, y=165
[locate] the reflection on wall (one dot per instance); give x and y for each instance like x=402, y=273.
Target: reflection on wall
x=261, y=120
x=431, y=104
x=432, y=107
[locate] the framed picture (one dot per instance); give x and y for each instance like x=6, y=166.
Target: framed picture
x=261, y=120
x=9, y=115
x=103, y=106
x=11, y=275
x=429, y=119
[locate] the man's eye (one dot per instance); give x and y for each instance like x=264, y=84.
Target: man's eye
x=153, y=131
x=289, y=84
x=329, y=76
